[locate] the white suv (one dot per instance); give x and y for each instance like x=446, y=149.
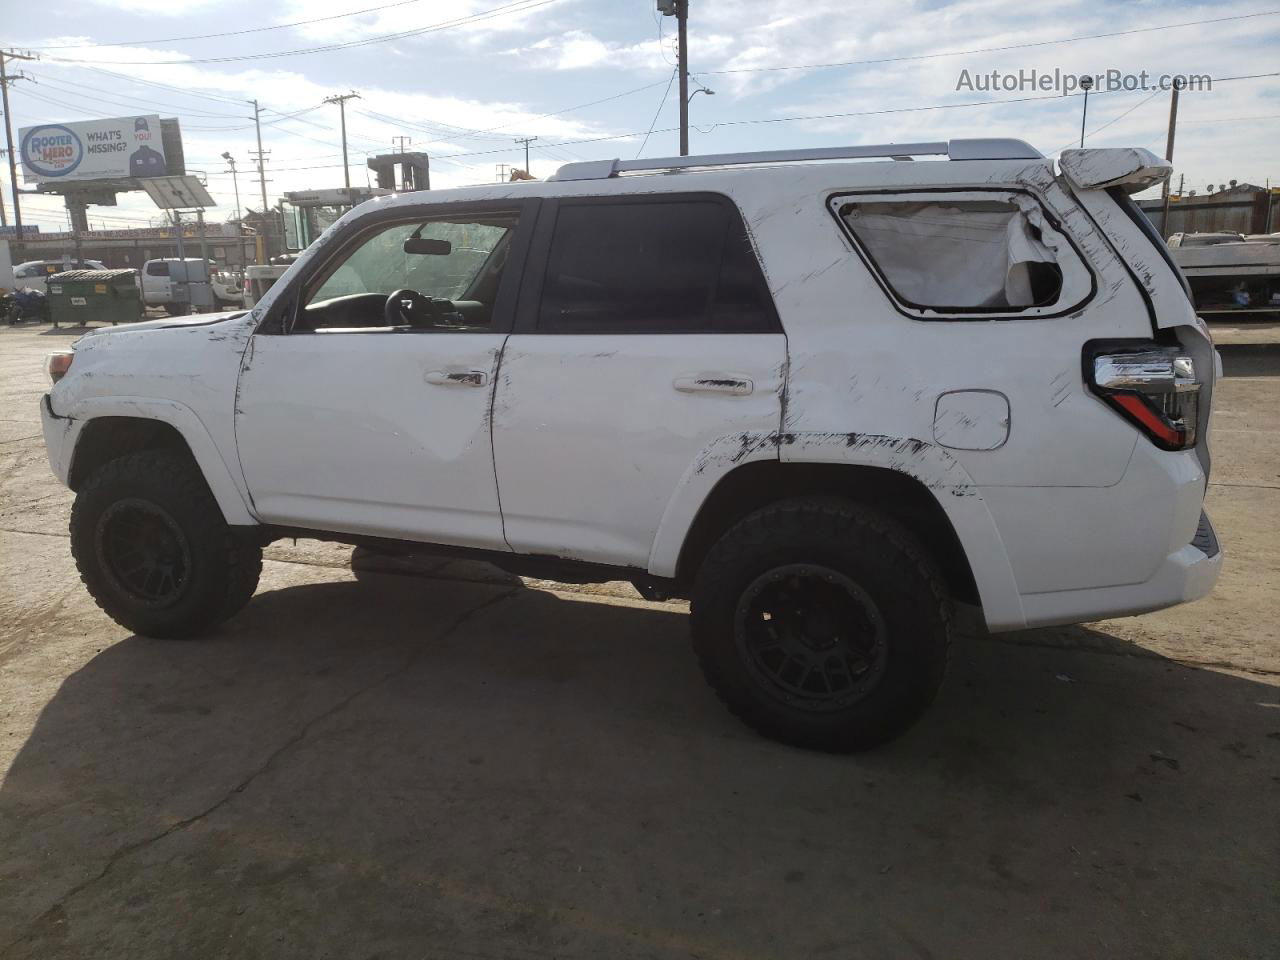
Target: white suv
x=821, y=393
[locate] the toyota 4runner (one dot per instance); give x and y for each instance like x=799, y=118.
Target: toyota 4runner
x=823, y=394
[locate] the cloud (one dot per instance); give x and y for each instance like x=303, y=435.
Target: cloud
x=157, y=8
x=464, y=93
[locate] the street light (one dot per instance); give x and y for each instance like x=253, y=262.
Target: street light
x=1087, y=84
x=226, y=155
x=701, y=89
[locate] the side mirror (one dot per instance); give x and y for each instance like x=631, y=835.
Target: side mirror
x=428, y=246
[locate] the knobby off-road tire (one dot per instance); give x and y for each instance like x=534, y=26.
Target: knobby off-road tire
x=822, y=623
x=154, y=551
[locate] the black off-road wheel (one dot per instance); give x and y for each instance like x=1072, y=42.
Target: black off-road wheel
x=822, y=623
x=153, y=548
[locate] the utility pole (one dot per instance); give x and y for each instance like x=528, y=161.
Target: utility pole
x=682, y=19
x=680, y=10
x=263, y=253
x=5, y=80
x=401, y=144
x=341, y=100
x=1168, y=154
x=526, y=141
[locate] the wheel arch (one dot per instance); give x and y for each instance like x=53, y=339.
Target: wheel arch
x=110, y=428
x=953, y=523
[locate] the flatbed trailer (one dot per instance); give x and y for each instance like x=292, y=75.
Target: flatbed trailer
x=1230, y=273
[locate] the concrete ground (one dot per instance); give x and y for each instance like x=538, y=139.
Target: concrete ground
x=459, y=764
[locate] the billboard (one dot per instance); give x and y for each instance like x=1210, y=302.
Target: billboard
x=92, y=150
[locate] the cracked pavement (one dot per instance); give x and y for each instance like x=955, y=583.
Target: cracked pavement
x=458, y=764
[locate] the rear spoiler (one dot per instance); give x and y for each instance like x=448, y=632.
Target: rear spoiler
x=1132, y=168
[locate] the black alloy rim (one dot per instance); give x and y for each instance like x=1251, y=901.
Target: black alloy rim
x=143, y=552
x=811, y=636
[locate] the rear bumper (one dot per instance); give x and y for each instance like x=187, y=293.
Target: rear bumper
x=1186, y=574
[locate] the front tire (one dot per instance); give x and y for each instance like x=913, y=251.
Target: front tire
x=822, y=623
x=154, y=550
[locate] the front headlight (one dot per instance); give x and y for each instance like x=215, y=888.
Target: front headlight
x=58, y=363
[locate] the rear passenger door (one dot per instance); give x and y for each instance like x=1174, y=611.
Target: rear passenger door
x=647, y=359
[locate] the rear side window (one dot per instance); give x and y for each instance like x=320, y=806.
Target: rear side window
x=656, y=266
x=158, y=269
x=985, y=253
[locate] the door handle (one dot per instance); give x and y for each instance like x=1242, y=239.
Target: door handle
x=458, y=378
x=714, y=383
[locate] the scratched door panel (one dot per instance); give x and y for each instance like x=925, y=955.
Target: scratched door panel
x=594, y=435
x=354, y=432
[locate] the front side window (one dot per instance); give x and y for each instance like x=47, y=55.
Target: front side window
x=446, y=272
x=985, y=253
x=657, y=266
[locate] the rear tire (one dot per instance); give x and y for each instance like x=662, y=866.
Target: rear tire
x=822, y=623
x=154, y=550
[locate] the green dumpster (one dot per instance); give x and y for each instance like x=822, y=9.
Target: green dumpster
x=106, y=296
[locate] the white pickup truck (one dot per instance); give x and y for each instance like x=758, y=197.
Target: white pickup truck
x=822, y=393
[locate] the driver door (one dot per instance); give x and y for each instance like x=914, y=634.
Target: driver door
x=359, y=412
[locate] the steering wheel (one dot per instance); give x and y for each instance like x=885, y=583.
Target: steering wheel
x=409, y=307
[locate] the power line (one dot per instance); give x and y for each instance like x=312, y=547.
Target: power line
x=73, y=89
x=441, y=128
x=793, y=119
x=1113, y=120
x=232, y=33
x=164, y=86
x=1000, y=49
x=1270, y=116
x=654, y=122
x=517, y=6
x=476, y=134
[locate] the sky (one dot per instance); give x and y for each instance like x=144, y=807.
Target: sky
x=592, y=79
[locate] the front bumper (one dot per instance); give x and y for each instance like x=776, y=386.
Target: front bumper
x=59, y=439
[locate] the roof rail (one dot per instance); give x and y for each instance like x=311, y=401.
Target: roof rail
x=979, y=149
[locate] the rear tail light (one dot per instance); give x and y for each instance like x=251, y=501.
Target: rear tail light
x=58, y=363
x=1156, y=390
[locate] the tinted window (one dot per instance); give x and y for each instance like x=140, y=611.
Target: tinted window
x=158, y=269
x=652, y=267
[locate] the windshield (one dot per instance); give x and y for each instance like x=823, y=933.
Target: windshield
x=380, y=264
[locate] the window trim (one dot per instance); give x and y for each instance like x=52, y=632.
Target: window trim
x=948, y=314
x=350, y=235
x=530, y=305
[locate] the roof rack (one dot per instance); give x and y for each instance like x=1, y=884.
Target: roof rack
x=977, y=149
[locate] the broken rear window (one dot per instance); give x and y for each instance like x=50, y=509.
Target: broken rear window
x=987, y=253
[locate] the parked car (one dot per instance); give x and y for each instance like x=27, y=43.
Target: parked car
x=228, y=286
x=158, y=287
x=825, y=401
x=32, y=274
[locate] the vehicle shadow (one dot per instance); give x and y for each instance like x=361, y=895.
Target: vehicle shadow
x=403, y=766
x=65, y=331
